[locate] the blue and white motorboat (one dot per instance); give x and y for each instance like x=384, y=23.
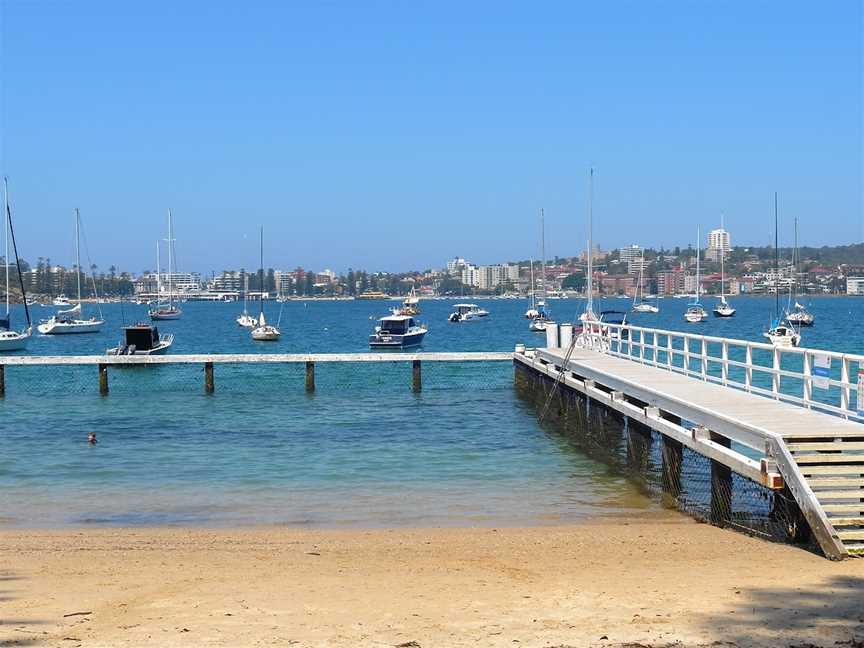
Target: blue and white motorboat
x=397, y=332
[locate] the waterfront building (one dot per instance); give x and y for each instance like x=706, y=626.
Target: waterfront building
x=855, y=286
x=632, y=256
x=719, y=245
x=456, y=266
x=670, y=282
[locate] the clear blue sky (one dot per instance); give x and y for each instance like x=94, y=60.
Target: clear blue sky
x=385, y=135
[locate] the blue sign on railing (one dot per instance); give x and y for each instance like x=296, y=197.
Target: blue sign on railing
x=821, y=370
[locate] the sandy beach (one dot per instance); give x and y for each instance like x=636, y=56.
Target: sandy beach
x=655, y=580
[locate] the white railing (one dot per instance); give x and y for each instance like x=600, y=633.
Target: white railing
x=782, y=373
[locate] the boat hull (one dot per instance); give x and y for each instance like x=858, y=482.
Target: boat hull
x=718, y=312
x=396, y=341
x=10, y=341
x=70, y=328
x=164, y=344
x=266, y=334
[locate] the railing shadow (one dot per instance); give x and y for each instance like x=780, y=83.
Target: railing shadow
x=17, y=631
x=827, y=615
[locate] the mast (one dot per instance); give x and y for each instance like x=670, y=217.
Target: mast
x=261, y=281
x=533, y=297
x=15, y=251
x=170, y=259
x=78, y=252
x=795, y=261
x=776, y=264
x=590, y=278
x=639, y=280
x=722, y=255
x=158, y=277
x=543, y=251
x=6, y=233
x=698, y=243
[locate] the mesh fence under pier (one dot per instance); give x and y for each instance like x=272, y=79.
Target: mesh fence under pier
x=664, y=469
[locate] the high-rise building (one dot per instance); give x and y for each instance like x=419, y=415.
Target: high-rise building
x=719, y=244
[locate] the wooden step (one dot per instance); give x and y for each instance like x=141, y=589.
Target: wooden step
x=845, y=482
x=850, y=432
x=839, y=495
x=818, y=446
x=844, y=522
x=844, y=508
x=855, y=548
x=851, y=535
x=838, y=457
x=833, y=470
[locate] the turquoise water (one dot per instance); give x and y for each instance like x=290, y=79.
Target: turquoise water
x=362, y=451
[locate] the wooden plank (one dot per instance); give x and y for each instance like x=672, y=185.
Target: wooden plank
x=851, y=535
x=847, y=521
x=844, y=458
x=844, y=508
x=824, y=496
x=833, y=445
x=832, y=470
x=846, y=482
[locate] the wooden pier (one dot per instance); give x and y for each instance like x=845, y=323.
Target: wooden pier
x=777, y=440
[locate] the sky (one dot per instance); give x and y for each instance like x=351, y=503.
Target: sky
x=396, y=135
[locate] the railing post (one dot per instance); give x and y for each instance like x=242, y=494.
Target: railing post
x=669, y=349
x=642, y=345
x=775, y=376
x=209, y=384
x=416, y=377
x=808, y=379
x=2, y=380
x=844, y=387
x=103, y=379
x=310, y=376
x=686, y=355
x=704, y=359
x=748, y=369
x=724, y=368
x=654, y=347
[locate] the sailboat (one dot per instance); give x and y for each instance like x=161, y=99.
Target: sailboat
x=245, y=319
x=541, y=319
x=167, y=311
x=12, y=340
x=781, y=333
x=723, y=309
x=695, y=313
x=532, y=311
x=263, y=332
x=71, y=320
x=640, y=306
x=800, y=315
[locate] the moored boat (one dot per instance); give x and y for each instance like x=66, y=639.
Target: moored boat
x=11, y=340
x=264, y=332
x=167, y=311
x=142, y=339
x=397, y=331
x=467, y=313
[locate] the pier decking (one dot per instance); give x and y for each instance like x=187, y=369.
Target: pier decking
x=786, y=440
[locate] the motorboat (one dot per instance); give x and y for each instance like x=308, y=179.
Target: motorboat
x=397, y=331
x=12, y=340
x=71, y=320
x=411, y=304
x=61, y=300
x=167, y=311
x=467, y=313
x=142, y=339
x=264, y=332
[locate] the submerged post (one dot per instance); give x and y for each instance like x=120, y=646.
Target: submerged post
x=416, y=378
x=2, y=380
x=721, y=485
x=209, y=384
x=310, y=376
x=103, y=379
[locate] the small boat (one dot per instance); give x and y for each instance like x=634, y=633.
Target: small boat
x=532, y=311
x=245, y=319
x=411, y=304
x=539, y=322
x=639, y=305
x=373, y=294
x=61, y=300
x=11, y=340
x=467, y=313
x=723, y=309
x=695, y=313
x=166, y=311
x=781, y=333
x=542, y=316
x=800, y=316
x=264, y=332
x=71, y=320
x=142, y=339
x=397, y=331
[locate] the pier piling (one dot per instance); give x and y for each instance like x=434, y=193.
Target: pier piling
x=721, y=485
x=672, y=453
x=310, y=376
x=103, y=379
x=2, y=381
x=416, y=377
x=209, y=384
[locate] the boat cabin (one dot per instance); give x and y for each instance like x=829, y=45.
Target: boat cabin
x=395, y=324
x=142, y=336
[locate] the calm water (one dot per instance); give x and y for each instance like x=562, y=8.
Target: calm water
x=362, y=451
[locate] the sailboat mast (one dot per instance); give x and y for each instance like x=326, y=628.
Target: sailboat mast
x=698, y=244
x=6, y=239
x=15, y=252
x=261, y=277
x=78, y=252
x=543, y=250
x=776, y=263
x=722, y=255
x=590, y=277
x=533, y=297
x=158, y=276
x=170, y=258
x=795, y=260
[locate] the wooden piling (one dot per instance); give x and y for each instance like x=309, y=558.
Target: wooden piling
x=672, y=453
x=2, y=381
x=721, y=485
x=310, y=376
x=103, y=379
x=209, y=383
x=416, y=377
x=638, y=445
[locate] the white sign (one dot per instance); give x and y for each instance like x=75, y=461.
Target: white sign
x=860, y=399
x=821, y=370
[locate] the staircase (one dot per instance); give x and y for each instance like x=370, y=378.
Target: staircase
x=834, y=469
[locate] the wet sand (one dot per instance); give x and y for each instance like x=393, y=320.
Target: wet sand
x=654, y=580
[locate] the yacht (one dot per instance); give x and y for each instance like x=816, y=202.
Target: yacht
x=61, y=300
x=723, y=309
x=11, y=340
x=411, y=304
x=781, y=333
x=695, y=313
x=71, y=320
x=397, y=331
x=142, y=339
x=167, y=311
x=542, y=315
x=467, y=313
x=245, y=319
x=639, y=303
x=799, y=315
x=532, y=311
x=264, y=332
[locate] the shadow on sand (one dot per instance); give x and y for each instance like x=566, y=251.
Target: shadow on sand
x=17, y=632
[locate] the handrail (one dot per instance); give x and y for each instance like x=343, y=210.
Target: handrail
x=646, y=346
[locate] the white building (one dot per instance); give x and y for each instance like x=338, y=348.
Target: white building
x=632, y=256
x=718, y=243
x=456, y=266
x=855, y=286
